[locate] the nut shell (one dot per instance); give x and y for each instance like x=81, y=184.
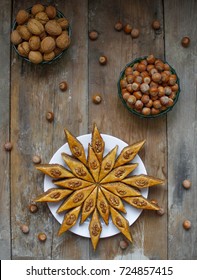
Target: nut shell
x=35, y=27
x=63, y=22
x=37, y=8
x=63, y=41
x=48, y=56
x=15, y=37
x=35, y=57
x=48, y=44
x=22, y=17
x=24, y=49
x=51, y=12
x=42, y=17
x=53, y=28
x=34, y=43
x=24, y=32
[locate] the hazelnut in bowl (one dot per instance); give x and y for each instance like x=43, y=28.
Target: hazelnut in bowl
x=40, y=34
x=148, y=87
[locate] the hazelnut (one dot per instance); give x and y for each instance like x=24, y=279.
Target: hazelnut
x=130, y=79
x=159, y=66
x=51, y=11
x=164, y=100
x=103, y=60
x=118, y=26
x=129, y=88
x=144, y=87
x=170, y=102
x=138, y=79
x=137, y=94
x=167, y=90
x=156, y=25
x=153, y=91
x=63, y=86
x=161, y=91
x=135, y=86
x=131, y=99
x=185, y=42
x=135, y=33
x=146, y=111
x=145, y=98
x=126, y=95
x=127, y=28
x=160, y=212
x=147, y=80
x=24, y=229
x=141, y=67
x=139, y=104
x=49, y=116
x=93, y=35
x=166, y=66
x=22, y=17
x=151, y=59
x=15, y=37
x=8, y=146
x=157, y=104
x=35, y=57
x=96, y=99
x=186, y=184
x=33, y=208
x=149, y=104
x=123, y=244
x=172, y=80
x=156, y=77
x=123, y=83
x=128, y=71
x=154, y=111
x=42, y=237
x=36, y=159
x=150, y=67
x=187, y=224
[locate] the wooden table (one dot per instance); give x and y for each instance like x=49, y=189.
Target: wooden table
x=28, y=92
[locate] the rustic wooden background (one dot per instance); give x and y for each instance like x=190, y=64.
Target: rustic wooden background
x=27, y=92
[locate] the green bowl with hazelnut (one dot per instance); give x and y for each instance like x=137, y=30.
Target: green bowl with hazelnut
x=148, y=87
x=40, y=34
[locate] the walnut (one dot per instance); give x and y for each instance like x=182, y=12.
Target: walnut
x=48, y=44
x=24, y=32
x=53, y=28
x=37, y=8
x=24, y=49
x=35, y=27
x=15, y=37
x=34, y=43
x=51, y=12
x=35, y=57
x=63, y=41
x=22, y=17
x=42, y=17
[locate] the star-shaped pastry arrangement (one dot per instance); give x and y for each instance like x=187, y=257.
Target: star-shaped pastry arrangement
x=97, y=186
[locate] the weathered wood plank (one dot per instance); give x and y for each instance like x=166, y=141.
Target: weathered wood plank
x=35, y=91
x=180, y=17
x=112, y=118
x=5, y=238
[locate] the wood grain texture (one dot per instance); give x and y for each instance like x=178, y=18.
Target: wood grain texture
x=112, y=118
x=35, y=91
x=182, y=129
x=5, y=238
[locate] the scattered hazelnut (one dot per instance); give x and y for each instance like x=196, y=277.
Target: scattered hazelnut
x=123, y=244
x=103, y=60
x=118, y=26
x=160, y=212
x=33, y=208
x=42, y=237
x=127, y=28
x=24, y=229
x=96, y=99
x=8, y=146
x=185, y=42
x=93, y=35
x=187, y=224
x=36, y=159
x=63, y=86
x=186, y=184
x=135, y=33
x=50, y=116
x=156, y=25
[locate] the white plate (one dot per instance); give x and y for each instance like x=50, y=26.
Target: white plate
x=132, y=213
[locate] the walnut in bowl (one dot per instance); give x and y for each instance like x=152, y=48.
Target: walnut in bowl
x=40, y=34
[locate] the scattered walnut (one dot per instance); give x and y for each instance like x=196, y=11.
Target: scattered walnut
x=76, y=151
x=119, y=172
x=108, y=165
x=80, y=172
x=119, y=222
x=95, y=229
x=114, y=200
x=55, y=172
x=141, y=182
x=70, y=219
x=78, y=197
x=98, y=145
x=74, y=184
x=93, y=164
x=55, y=195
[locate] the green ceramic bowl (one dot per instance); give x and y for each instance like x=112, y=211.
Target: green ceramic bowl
x=59, y=15
x=133, y=111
